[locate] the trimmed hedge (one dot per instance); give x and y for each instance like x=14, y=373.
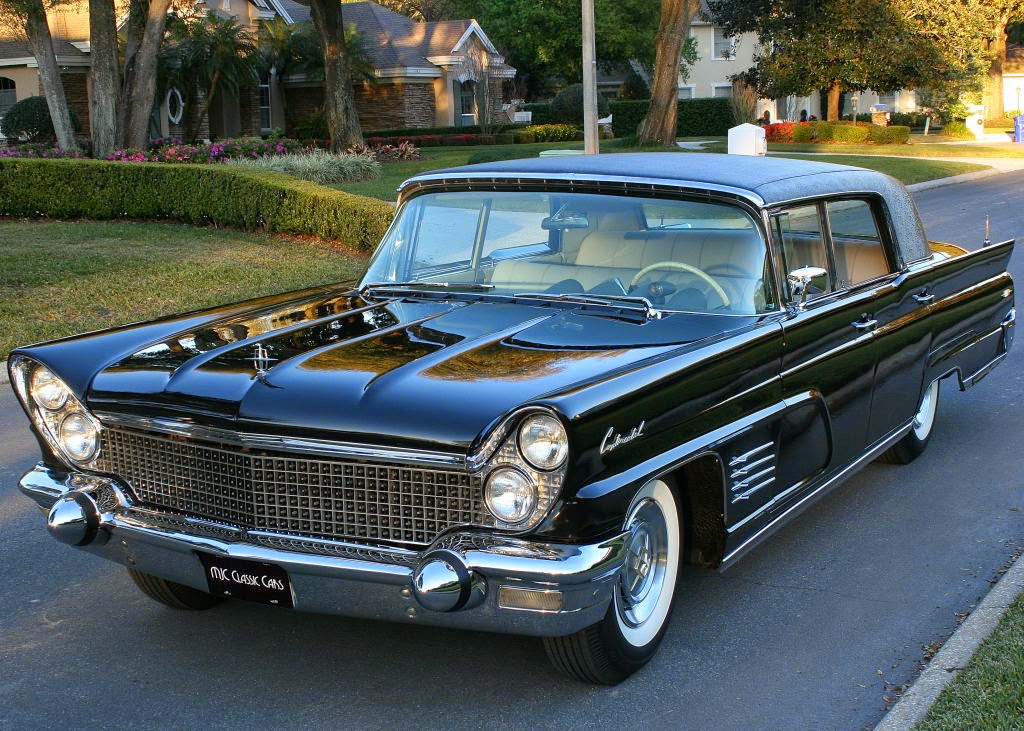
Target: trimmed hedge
x=198, y=194
x=848, y=134
x=420, y=131
x=547, y=133
x=892, y=135
x=695, y=117
x=803, y=133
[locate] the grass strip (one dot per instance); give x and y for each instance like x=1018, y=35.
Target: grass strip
x=989, y=693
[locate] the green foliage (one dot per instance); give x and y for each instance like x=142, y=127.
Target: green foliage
x=626, y=116
x=894, y=134
x=567, y=106
x=547, y=133
x=859, y=44
x=420, y=131
x=803, y=132
x=824, y=131
x=848, y=134
x=317, y=166
x=541, y=112
x=312, y=127
x=493, y=156
x=958, y=129
x=30, y=120
x=220, y=195
x=543, y=39
x=695, y=117
x=635, y=87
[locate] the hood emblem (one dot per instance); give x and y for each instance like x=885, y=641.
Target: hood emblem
x=614, y=441
x=262, y=361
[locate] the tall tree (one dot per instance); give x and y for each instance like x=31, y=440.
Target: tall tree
x=853, y=45
x=1003, y=13
x=144, y=34
x=104, y=77
x=543, y=38
x=659, y=126
x=31, y=16
x=339, y=97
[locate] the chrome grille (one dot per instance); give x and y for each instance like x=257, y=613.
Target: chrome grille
x=316, y=497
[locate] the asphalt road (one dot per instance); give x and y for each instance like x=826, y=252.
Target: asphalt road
x=812, y=630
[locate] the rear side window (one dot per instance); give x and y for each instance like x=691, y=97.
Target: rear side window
x=859, y=253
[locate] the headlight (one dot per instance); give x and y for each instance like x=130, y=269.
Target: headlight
x=543, y=441
x=79, y=436
x=510, y=495
x=47, y=390
x=56, y=413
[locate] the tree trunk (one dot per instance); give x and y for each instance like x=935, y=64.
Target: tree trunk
x=142, y=89
x=834, y=95
x=38, y=31
x=339, y=102
x=135, y=28
x=104, y=77
x=659, y=126
x=994, y=82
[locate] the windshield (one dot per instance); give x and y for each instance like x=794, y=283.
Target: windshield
x=680, y=255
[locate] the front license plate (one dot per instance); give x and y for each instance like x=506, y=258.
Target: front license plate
x=249, y=580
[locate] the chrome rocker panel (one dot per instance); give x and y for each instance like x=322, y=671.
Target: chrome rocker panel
x=349, y=579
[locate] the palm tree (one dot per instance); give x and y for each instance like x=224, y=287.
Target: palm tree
x=211, y=54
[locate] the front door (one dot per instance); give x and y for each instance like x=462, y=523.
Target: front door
x=829, y=347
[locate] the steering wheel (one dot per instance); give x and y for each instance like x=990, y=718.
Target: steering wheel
x=715, y=287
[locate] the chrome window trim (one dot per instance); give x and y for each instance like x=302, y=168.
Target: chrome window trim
x=275, y=443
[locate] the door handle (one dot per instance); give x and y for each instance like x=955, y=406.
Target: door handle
x=923, y=297
x=865, y=323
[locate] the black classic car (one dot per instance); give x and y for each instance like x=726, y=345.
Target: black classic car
x=557, y=380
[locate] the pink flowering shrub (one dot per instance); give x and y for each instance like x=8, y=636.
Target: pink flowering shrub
x=38, y=151
x=384, y=152
x=162, y=150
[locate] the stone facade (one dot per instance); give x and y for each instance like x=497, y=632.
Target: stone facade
x=380, y=106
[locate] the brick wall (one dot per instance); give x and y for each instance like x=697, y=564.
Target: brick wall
x=382, y=106
x=249, y=110
x=76, y=89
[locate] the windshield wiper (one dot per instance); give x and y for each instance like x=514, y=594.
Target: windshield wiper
x=471, y=286
x=610, y=300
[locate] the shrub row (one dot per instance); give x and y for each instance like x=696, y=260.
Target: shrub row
x=547, y=133
x=695, y=117
x=435, y=131
x=318, y=166
x=218, y=195
x=838, y=133
x=541, y=111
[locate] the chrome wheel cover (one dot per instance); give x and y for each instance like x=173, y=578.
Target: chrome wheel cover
x=924, y=419
x=646, y=582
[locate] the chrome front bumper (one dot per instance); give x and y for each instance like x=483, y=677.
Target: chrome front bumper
x=467, y=580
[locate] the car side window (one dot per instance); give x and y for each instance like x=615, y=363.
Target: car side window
x=859, y=253
x=799, y=232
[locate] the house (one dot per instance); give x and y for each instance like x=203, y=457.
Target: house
x=425, y=74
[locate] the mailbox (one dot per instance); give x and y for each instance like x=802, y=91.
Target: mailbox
x=976, y=120
x=747, y=139
x=1018, y=128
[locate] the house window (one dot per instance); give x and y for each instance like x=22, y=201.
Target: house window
x=686, y=92
x=468, y=98
x=8, y=95
x=725, y=48
x=721, y=90
x=265, y=117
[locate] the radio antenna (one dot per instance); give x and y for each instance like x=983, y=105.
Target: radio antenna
x=987, y=241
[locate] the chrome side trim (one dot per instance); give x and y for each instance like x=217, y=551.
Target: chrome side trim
x=269, y=442
x=742, y=458
x=807, y=500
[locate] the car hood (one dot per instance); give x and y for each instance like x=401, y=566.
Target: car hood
x=410, y=372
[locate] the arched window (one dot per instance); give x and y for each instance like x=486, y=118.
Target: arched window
x=8, y=94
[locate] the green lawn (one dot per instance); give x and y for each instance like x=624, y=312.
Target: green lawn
x=69, y=277
x=435, y=158
x=916, y=149
x=989, y=694
x=907, y=170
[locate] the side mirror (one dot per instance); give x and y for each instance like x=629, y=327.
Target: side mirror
x=808, y=279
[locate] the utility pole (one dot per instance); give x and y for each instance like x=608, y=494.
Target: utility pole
x=590, y=142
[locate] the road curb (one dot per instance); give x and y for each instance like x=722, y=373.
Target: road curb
x=954, y=179
x=4, y=378
x=956, y=652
